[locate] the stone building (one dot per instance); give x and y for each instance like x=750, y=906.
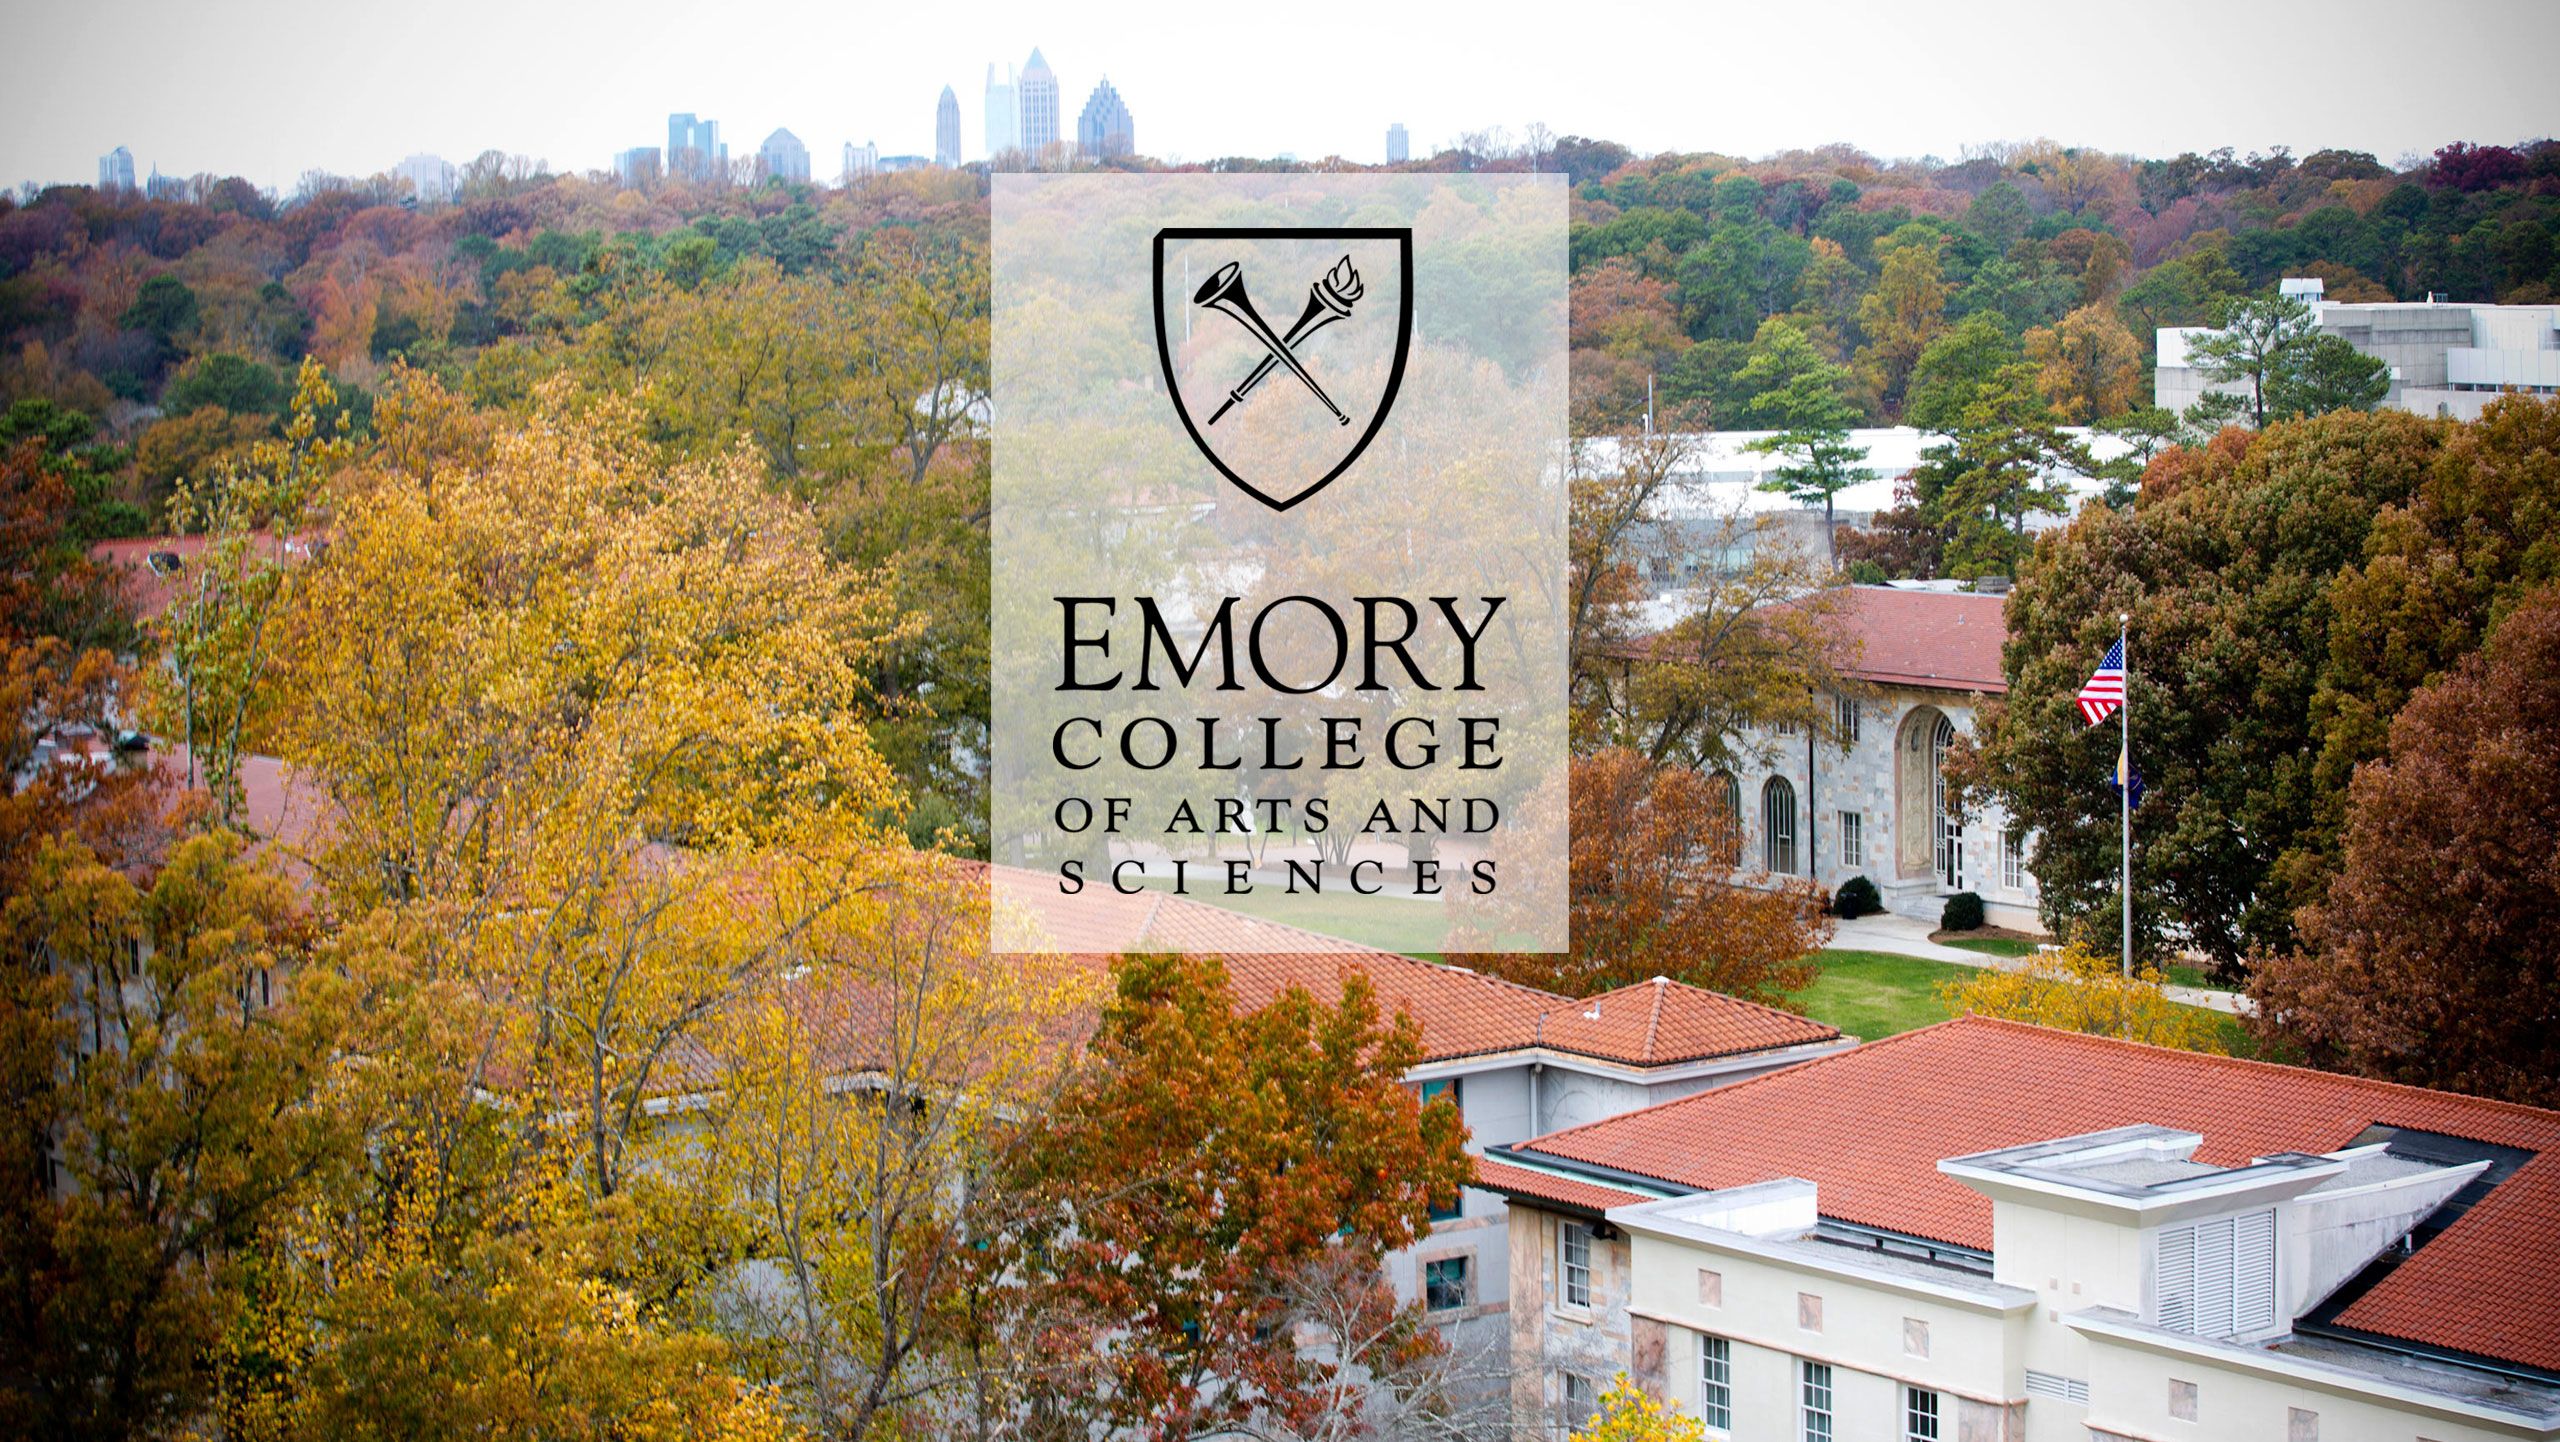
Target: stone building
x=1876, y=805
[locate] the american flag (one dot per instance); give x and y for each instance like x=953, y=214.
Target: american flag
x=2105, y=691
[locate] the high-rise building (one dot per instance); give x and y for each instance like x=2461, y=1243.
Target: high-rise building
x=432, y=179
x=1037, y=93
x=861, y=160
x=1105, y=130
x=637, y=168
x=694, y=148
x=1399, y=149
x=1004, y=112
x=164, y=187
x=115, y=170
x=782, y=157
x=946, y=129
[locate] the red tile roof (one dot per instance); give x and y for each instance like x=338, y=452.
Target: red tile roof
x=152, y=590
x=1660, y=1022
x=1514, y=1181
x=1936, y=640
x=1868, y=1127
x=1942, y=640
x=1462, y=1012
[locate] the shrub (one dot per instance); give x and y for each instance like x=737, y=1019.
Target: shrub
x=1963, y=913
x=1857, y=897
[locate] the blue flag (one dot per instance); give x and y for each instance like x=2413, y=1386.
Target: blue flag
x=2126, y=781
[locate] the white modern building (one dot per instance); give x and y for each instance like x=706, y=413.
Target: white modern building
x=1399, y=146
x=2446, y=359
x=1719, y=478
x=2000, y=1233
x=115, y=170
x=1518, y=1063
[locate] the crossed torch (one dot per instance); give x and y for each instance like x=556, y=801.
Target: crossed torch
x=1329, y=299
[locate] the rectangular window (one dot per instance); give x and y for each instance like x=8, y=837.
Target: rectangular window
x=1715, y=1381
x=2013, y=861
x=1575, y=1256
x=1919, y=1415
x=1853, y=839
x=1848, y=721
x=1444, y=1284
x=1581, y=1404
x=1814, y=1400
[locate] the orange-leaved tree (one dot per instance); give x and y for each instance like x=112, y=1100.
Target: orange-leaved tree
x=1198, y=1173
x=1659, y=889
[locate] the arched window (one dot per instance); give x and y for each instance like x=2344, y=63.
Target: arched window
x=1950, y=848
x=1778, y=826
x=1725, y=794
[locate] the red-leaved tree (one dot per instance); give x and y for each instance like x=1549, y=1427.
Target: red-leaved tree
x=2435, y=958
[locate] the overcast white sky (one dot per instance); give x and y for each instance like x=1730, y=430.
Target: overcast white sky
x=270, y=88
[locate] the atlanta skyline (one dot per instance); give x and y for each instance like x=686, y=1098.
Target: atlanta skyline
x=293, y=85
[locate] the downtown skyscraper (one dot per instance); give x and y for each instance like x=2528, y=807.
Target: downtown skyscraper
x=946, y=129
x=1004, y=112
x=1105, y=129
x=1037, y=94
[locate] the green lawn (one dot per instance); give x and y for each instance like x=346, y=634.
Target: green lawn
x=1871, y=994
x=1992, y=945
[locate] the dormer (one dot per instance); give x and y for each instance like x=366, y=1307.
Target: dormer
x=2130, y=1219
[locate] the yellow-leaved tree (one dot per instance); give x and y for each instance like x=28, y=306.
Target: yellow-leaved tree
x=601, y=836
x=2077, y=989
x=1628, y=1414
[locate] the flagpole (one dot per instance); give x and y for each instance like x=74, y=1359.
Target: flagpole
x=2124, y=790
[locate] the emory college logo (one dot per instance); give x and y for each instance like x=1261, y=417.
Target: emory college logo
x=1286, y=411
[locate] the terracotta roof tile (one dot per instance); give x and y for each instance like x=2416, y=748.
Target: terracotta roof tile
x=1938, y=639
x=1868, y=1127
x=1545, y=1186
x=1660, y=1022
x=1462, y=1012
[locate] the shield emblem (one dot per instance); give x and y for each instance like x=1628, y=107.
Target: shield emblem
x=1283, y=348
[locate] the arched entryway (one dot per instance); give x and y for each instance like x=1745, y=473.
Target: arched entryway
x=1928, y=840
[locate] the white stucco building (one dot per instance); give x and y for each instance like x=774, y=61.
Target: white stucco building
x=1998, y=1233
x=1713, y=513
x=2446, y=359
x=1517, y=1061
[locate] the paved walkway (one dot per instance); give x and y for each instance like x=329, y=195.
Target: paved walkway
x=1909, y=936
